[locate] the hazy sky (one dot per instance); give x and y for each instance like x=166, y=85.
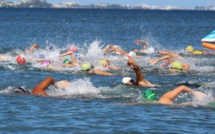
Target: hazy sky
x=160, y=3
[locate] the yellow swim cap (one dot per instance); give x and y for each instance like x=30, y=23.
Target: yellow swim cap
x=86, y=67
x=189, y=49
x=177, y=65
x=103, y=63
x=197, y=52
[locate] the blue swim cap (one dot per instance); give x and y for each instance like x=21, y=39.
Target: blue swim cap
x=77, y=55
x=41, y=55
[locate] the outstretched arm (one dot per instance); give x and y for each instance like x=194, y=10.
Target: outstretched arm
x=169, y=96
x=140, y=80
x=106, y=48
x=143, y=42
x=171, y=54
x=42, y=86
x=166, y=57
x=32, y=47
x=74, y=60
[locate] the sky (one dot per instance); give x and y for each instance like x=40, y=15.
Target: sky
x=160, y=3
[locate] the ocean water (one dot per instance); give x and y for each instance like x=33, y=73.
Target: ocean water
x=98, y=104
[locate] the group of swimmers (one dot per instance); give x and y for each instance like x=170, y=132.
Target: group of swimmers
x=171, y=60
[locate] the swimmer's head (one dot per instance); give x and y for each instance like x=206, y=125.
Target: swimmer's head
x=21, y=90
x=211, y=104
x=20, y=59
x=73, y=48
x=149, y=95
x=103, y=63
x=189, y=49
x=41, y=55
x=128, y=81
x=130, y=55
x=86, y=67
x=46, y=62
x=67, y=61
x=177, y=65
x=77, y=55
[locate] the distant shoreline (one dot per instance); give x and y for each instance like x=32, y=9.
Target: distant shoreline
x=72, y=5
x=104, y=9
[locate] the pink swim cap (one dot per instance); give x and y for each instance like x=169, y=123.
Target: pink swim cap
x=73, y=48
x=46, y=62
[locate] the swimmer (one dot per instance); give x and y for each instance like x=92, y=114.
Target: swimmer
x=88, y=68
x=190, y=49
x=144, y=45
x=105, y=62
x=43, y=85
x=115, y=48
x=67, y=62
x=175, y=66
x=140, y=80
x=167, y=99
x=21, y=59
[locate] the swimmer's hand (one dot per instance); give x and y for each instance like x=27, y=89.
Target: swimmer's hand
x=132, y=63
x=62, y=84
x=199, y=95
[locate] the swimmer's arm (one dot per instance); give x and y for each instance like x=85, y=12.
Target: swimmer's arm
x=42, y=86
x=69, y=65
x=106, y=48
x=169, y=96
x=143, y=42
x=32, y=47
x=67, y=53
x=115, y=67
x=166, y=57
x=100, y=72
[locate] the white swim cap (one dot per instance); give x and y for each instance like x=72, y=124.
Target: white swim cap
x=132, y=54
x=126, y=80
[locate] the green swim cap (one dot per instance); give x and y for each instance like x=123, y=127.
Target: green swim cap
x=149, y=95
x=189, y=49
x=86, y=67
x=67, y=61
x=103, y=63
x=177, y=65
x=211, y=104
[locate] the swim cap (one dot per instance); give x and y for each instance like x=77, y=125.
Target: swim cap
x=86, y=67
x=41, y=55
x=46, y=62
x=211, y=104
x=20, y=59
x=126, y=80
x=132, y=54
x=197, y=52
x=73, y=48
x=67, y=61
x=103, y=63
x=149, y=95
x=21, y=90
x=177, y=65
x=189, y=49
x=77, y=55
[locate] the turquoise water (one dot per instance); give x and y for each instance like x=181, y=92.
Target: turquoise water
x=95, y=104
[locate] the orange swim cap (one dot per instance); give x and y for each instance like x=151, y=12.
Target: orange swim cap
x=20, y=59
